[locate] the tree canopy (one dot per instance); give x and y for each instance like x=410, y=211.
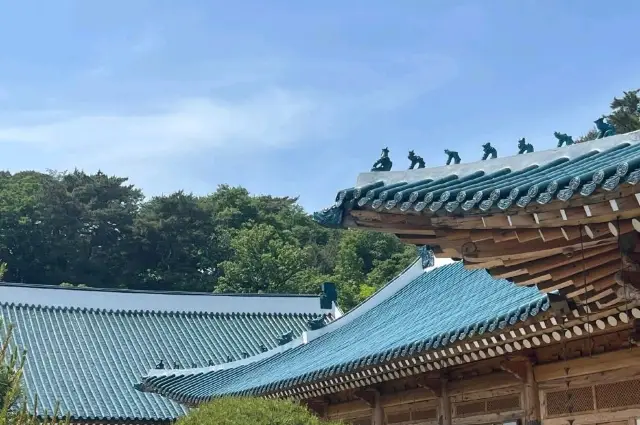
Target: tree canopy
x=624, y=115
x=95, y=230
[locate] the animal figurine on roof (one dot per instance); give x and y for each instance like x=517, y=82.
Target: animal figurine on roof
x=604, y=128
x=415, y=160
x=524, y=147
x=489, y=151
x=452, y=156
x=563, y=139
x=384, y=163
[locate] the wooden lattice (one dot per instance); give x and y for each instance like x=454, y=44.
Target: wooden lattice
x=572, y=401
x=618, y=394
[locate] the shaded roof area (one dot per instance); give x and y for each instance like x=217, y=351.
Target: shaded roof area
x=86, y=348
x=418, y=311
x=501, y=184
x=169, y=301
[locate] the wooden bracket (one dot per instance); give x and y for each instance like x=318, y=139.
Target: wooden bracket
x=630, y=278
x=319, y=407
x=368, y=396
x=517, y=368
x=432, y=384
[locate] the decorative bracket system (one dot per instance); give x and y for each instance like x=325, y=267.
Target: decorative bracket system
x=368, y=396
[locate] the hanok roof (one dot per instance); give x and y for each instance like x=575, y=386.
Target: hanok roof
x=520, y=217
x=86, y=347
x=417, y=313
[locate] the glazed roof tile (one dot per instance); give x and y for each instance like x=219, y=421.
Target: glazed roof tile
x=417, y=311
x=88, y=357
x=496, y=184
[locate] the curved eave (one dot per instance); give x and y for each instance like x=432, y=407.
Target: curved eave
x=177, y=385
x=415, y=350
x=498, y=185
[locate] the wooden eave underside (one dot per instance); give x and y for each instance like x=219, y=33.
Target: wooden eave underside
x=537, y=332
x=586, y=248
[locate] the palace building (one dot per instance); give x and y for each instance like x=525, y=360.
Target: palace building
x=535, y=320
x=86, y=347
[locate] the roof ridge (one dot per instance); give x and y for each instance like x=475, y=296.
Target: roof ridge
x=140, y=312
x=146, y=291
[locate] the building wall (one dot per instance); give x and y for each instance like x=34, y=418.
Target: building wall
x=603, y=389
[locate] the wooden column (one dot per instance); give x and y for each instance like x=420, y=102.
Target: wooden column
x=377, y=418
x=531, y=398
x=445, y=403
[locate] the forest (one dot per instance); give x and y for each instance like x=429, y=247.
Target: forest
x=96, y=230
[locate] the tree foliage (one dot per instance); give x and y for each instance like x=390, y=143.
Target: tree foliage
x=78, y=229
x=624, y=115
x=251, y=411
x=96, y=230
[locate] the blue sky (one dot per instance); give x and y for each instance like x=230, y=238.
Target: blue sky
x=298, y=97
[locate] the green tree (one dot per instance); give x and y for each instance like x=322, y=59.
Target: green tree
x=624, y=115
x=264, y=260
x=251, y=411
x=97, y=230
x=178, y=246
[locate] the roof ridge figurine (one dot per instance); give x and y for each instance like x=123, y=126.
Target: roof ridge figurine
x=563, y=139
x=452, y=156
x=524, y=147
x=384, y=163
x=489, y=151
x=415, y=160
x=605, y=129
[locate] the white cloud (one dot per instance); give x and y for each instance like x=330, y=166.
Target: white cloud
x=273, y=119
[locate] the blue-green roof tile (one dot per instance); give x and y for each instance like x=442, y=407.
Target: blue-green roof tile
x=416, y=311
x=86, y=348
x=496, y=184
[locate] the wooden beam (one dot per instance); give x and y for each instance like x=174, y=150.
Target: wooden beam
x=580, y=278
x=378, y=411
x=560, y=266
x=626, y=277
x=587, y=365
x=508, y=250
x=445, y=403
x=532, y=414
x=367, y=395
x=515, y=368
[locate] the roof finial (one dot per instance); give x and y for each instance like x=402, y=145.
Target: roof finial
x=160, y=365
x=524, y=147
x=210, y=363
x=452, y=156
x=605, y=129
x=489, y=151
x=563, y=139
x=176, y=365
x=263, y=348
x=245, y=355
x=329, y=295
x=384, y=163
x=415, y=160
x=229, y=359
x=285, y=338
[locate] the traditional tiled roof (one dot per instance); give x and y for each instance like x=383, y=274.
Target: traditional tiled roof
x=417, y=312
x=496, y=184
x=86, y=347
